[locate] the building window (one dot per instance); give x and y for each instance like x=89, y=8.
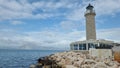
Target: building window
x=105, y=46
x=75, y=47
x=91, y=45
x=82, y=46
x=96, y=45
x=101, y=45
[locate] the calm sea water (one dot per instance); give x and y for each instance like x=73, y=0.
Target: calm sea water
x=22, y=58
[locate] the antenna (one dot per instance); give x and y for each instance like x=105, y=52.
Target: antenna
x=90, y=1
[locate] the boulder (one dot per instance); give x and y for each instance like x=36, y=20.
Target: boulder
x=100, y=65
x=70, y=66
x=32, y=66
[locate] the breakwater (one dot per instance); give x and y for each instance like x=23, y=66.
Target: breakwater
x=73, y=59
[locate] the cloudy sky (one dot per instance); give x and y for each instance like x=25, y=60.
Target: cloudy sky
x=55, y=23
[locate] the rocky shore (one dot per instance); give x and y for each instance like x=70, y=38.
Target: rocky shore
x=75, y=60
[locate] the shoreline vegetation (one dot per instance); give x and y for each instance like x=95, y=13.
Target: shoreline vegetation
x=71, y=59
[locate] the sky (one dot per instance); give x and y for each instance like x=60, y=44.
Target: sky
x=55, y=23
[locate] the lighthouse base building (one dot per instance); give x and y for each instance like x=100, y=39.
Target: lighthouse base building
x=88, y=44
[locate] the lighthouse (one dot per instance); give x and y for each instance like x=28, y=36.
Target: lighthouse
x=91, y=41
x=98, y=48
x=90, y=23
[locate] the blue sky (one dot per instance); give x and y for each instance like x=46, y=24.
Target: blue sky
x=55, y=23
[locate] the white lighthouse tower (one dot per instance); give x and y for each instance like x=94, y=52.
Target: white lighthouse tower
x=90, y=23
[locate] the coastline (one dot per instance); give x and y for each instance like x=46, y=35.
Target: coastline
x=72, y=59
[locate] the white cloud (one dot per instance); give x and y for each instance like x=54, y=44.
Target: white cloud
x=77, y=14
x=17, y=22
x=13, y=9
x=107, y=7
x=70, y=25
x=110, y=34
x=43, y=38
x=52, y=38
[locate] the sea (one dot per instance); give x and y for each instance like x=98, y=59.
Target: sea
x=22, y=58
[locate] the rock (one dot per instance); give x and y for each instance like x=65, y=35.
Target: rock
x=32, y=66
x=79, y=63
x=68, y=61
x=97, y=59
x=70, y=66
x=85, y=66
x=100, y=65
x=38, y=66
x=110, y=64
x=47, y=66
x=117, y=63
x=114, y=66
x=78, y=60
x=89, y=61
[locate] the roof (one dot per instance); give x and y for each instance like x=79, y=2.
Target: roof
x=94, y=41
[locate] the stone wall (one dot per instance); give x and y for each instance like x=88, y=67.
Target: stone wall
x=101, y=53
